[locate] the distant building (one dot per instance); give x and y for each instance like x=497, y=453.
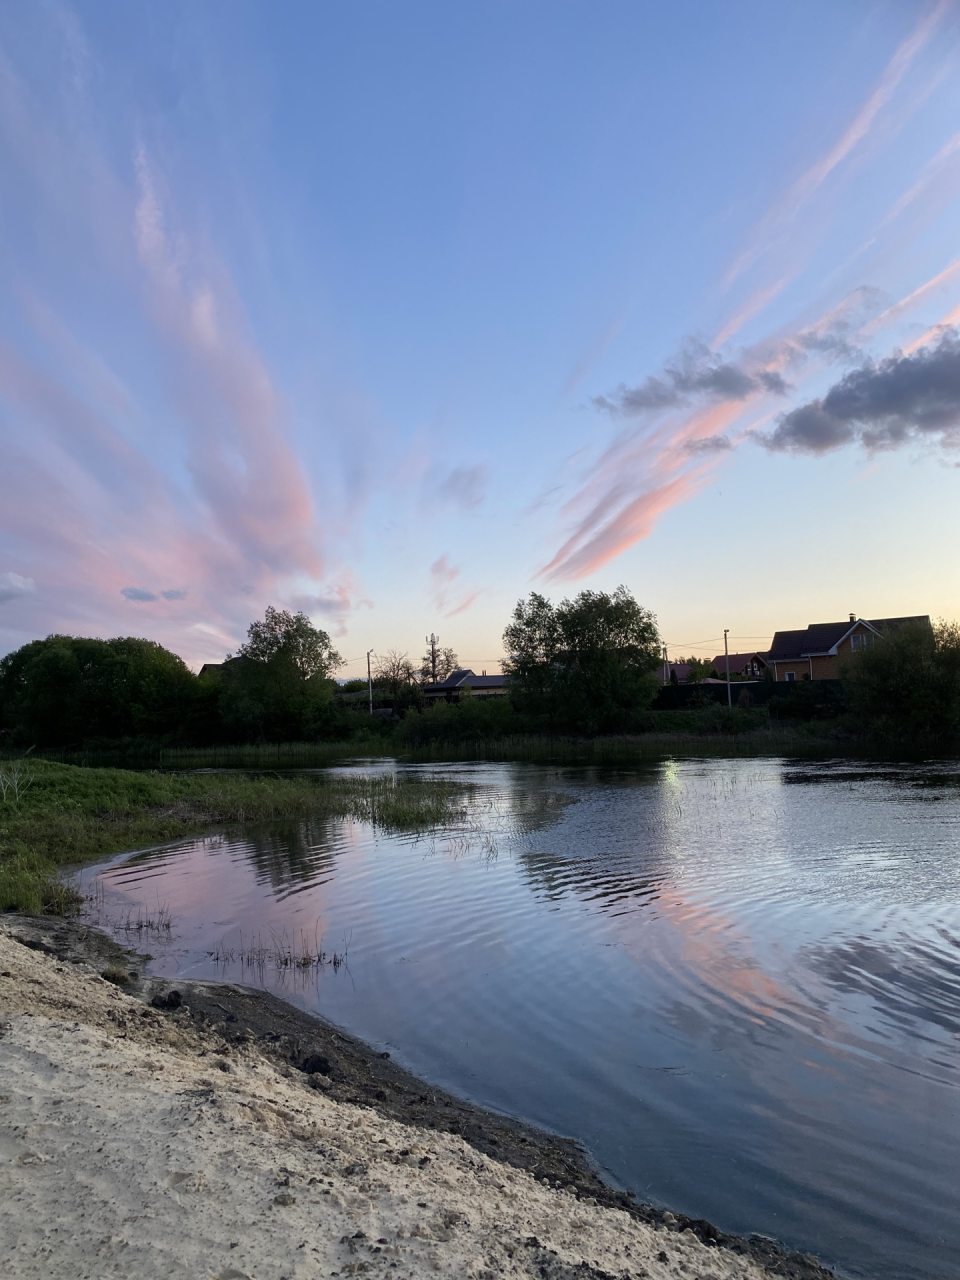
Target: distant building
x=751, y=666
x=463, y=680
x=819, y=651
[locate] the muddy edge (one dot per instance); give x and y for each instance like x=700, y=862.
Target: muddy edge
x=348, y=1070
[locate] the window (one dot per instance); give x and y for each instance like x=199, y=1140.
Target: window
x=859, y=641
x=790, y=675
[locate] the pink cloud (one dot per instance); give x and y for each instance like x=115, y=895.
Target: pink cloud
x=625, y=527
x=911, y=299
x=467, y=602
x=806, y=185
x=442, y=577
x=241, y=461
x=757, y=302
x=947, y=321
x=666, y=459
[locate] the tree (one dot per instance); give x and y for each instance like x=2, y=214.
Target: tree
x=278, y=685
x=700, y=669
x=447, y=662
x=587, y=664
x=903, y=691
x=293, y=637
x=65, y=690
x=393, y=672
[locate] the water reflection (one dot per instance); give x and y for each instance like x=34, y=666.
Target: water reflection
x=738, y=985
x=296, y=855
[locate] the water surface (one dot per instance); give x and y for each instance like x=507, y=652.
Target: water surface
x=736, y=982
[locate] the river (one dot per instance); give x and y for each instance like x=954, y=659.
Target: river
x=737, y=983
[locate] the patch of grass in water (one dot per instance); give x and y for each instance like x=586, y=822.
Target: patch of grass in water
x=63, y=814
x=282, y=953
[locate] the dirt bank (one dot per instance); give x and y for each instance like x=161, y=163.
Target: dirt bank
x=201, y=1129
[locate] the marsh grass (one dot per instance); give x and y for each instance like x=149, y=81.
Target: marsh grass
x=64, y=814
x=630, y=749
x=283, y=953
x=265, y=755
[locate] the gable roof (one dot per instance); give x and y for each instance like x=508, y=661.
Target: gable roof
x=454, y=679
x=737, y=660
x=822, y=638
x=464, y=678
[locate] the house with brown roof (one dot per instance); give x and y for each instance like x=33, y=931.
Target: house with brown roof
x=748, y=666
x=820, y=650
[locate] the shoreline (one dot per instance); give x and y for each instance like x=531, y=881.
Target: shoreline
x=325, y=1065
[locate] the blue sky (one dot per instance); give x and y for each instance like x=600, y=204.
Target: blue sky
x=395, y=313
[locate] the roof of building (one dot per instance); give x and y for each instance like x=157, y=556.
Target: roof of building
x=823, y=637
x=737, y=660
x=464, y=678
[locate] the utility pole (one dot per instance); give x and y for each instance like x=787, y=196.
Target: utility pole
x=369, y=681
x=433, y=641
x=726, y=654
x=666, y=667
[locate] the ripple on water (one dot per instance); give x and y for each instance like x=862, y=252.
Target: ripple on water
x=737, y=982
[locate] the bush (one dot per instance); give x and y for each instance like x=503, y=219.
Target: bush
x=904, y=691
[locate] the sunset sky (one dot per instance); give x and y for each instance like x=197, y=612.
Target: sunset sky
x=395, y=312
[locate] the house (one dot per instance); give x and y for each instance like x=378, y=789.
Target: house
x=820, y=650
x=750, y=666
x=463, y=680
x=675, y=673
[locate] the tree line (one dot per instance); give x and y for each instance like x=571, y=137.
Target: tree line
x=584, y=666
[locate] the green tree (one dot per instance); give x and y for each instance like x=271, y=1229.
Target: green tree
x=903, y=691
x=278, y=686
x=293, y=638
x=66, y=690
x=586, y=665
x=700, y=668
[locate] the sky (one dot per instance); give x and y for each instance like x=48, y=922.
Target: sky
x=396, y=313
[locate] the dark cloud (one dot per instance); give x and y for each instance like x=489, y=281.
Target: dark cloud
x=709, y=444
x=13, y=586
x=774, y=382
x=466, y=486
x=881, y=406
x=137, y=594
x=830, y=343
x=174, y=595
x=697, y=373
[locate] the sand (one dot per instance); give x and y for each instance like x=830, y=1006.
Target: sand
x=137, y=1144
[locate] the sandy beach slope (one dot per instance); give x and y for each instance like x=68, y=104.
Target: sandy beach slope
x=136, y=1144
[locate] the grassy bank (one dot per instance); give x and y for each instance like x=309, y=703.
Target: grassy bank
x=717, y=733
x=52, y=815
x=627, y=749
x=255, y=755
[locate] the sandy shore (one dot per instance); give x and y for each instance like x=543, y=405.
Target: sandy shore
x=145, y=1142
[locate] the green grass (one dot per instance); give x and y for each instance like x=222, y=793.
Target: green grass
x=266, y=755
x=630, y=749
x=53, y=815
x=712, y=733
